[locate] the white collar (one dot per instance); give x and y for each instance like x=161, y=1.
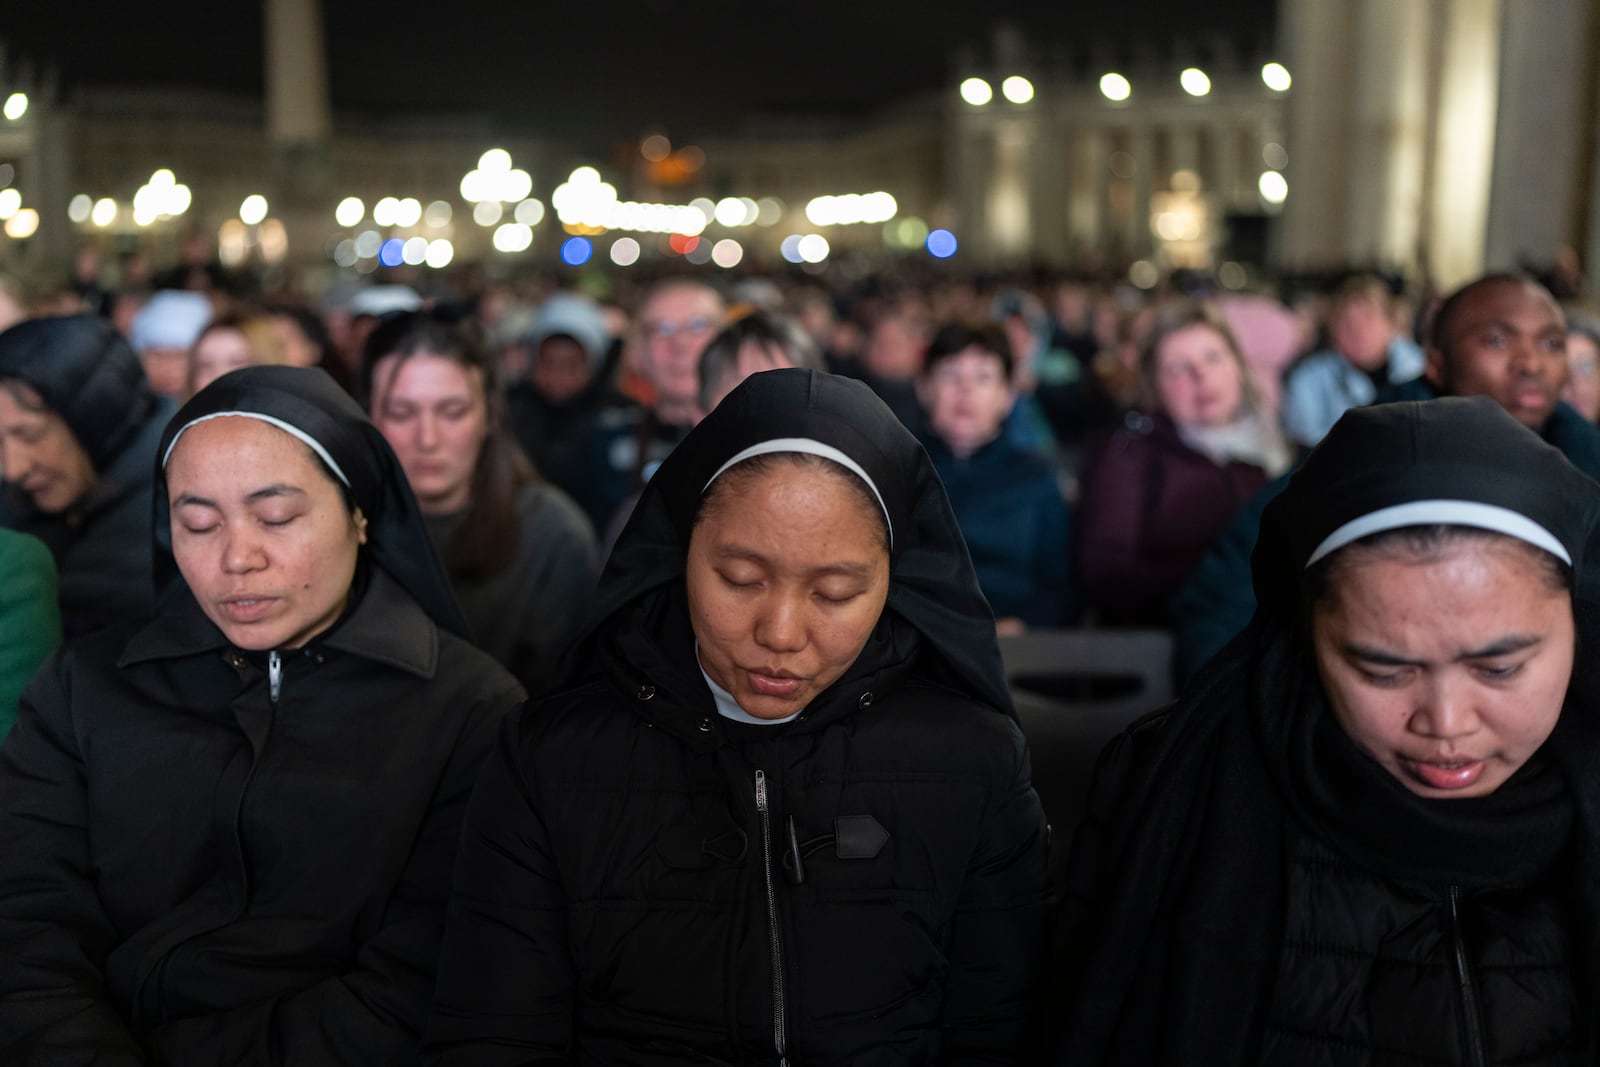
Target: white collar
x=728, y=707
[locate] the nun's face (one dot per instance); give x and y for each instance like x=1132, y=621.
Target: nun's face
x=787, y=575
x=260, y=532
x=433, y=413
x=1449, y=669
x=39, y=454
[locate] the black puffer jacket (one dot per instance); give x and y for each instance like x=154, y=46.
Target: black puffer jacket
x=1375, y=971
x=645, y=881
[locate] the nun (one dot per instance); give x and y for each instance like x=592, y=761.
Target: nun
x=78, y=433
x=226, y=835
x=780, y=809
x=1368, y=832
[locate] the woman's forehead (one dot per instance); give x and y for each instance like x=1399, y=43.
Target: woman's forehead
x=237, y=447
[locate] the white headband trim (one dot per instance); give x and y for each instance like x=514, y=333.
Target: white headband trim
x=293, y=431
x=813, y=448
x=1445, y=512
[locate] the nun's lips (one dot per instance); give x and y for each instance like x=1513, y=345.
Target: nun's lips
x=1447, y=775
x=773, y=683
x=247, y=608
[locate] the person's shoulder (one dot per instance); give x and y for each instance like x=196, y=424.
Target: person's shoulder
x=548, y=511
x=462, y=662
x=937, y=726
x=22, y=553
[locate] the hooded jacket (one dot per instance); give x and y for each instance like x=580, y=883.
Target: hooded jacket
x=217, y=856
x=646, y=882
x=1251, y=887
x=85, y=372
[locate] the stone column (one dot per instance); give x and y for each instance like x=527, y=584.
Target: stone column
x=1464, y=138
x=1387, y=132
x=1319, y=51
x=299, y=123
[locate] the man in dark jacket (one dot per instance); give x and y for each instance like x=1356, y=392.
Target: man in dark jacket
x=1501, y=336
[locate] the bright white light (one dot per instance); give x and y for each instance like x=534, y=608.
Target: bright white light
x=408, y=212
x=16, y=106
x=440, y=253
x=706, y=207
x=10, y=203
x=178, y=200
x=851, y=208
x=790, y=248
x=253, y=210
x=385, y=210
x=1275, y=76
x=1273, y=186
x=529, y=212
x=273, y=241
x=487, y=212
x=162, y=179
x=22, y=224
x=495, y=161
x=584, y=176
x=350, y=212
x=769, y=211
x=368, y=242
x=1017, y=89
x=729, y=211
x=976, y=92
x=78, y=210
x=104, y=213
x=474, y=186
x=344, y=253
x=752, y=211
x=438, y=213
x=1194, y=81
x=414, y=251
x=1115, y=87
x=813, y=248
x=513, y=237
x=625, y=252
x=727, y=253
x=516, y=186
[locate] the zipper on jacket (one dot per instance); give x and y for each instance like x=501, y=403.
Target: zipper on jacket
x=1472, y=1021
x=779, y=1025
x=274, y=675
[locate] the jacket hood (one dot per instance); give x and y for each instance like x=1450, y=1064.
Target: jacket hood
x=85, y=372
x=932, y=586
x=307, y=403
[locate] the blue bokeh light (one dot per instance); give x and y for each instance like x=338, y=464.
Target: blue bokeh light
x=392, y=254
x=941, y=244
x=575, y=251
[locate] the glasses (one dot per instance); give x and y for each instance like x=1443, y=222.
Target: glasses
x=664, y=330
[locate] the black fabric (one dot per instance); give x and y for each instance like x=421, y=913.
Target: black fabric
x=1176, y=897
x=307, y=399
x=190, y=874
x=611, y=900
x=85, y=372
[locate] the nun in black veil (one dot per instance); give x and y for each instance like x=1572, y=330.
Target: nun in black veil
x=780, y=811
x=226, y=835
x=1370, y=832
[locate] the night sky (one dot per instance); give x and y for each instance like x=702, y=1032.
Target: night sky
x=603, y=71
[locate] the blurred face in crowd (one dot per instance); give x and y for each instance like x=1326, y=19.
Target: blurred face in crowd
x=298, y=349
x=216, y=353
x=753, y=356
x=675, y=324
x=39, y=453
x=1360, y=328
x=166, y=369
x=1198, y=378
x=1507, y=340
x=1582, y=390
x=894, y=349
x=260, y=532
x=433, y=412
x=967, y=397
x=788, y=571
x=1448, y=668
x=560, y=369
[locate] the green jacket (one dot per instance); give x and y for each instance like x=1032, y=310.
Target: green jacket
x=30, y=621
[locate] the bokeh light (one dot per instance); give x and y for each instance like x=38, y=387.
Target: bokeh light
x=344, y=253
x=384, y=211
x=80, y=207
x=575, y=251
x=529, y=212
x=10, y=203
x=1273, y=186
x=253, y=210
x=368, y=242
x=813, y=248
x=700, y=254
x=1275, y=76
x=655, y=148
x=392, y=252
x=789, y=248
x=23, y=223
x=1144, y=274
x=1017, y=89
x=104, y=213
x=625, y=250
x=513, y=237
x=941, y=244
x=976, y=92
x=440, y=253
x=408, y=212
x=438, y=213
x=727, y=253
x=350, y=212
x=1115, y=87
x=487, y=212
x=1274, y=155
x=1195, y=81
x=769, y=211
x=16, y=106
x=415, y=251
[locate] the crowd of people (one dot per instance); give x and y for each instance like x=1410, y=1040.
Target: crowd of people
x=509, y=673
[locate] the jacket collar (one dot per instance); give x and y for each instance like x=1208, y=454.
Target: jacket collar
x=386, y=626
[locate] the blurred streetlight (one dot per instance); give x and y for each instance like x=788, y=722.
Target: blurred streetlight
x=16, y=106
x=1017, y=89
x=253, y=210
x=1276, y=77
x=976, y=92
x=1273, y=186
x=1194, y=81
x=1115, y=87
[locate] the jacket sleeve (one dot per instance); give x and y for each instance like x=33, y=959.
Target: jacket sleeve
x=506, y=981
x=997, y=935
x=1115, y=564
x=54, y=933
x=372, y=1013
x=30, y=619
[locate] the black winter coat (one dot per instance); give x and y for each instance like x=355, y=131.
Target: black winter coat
x=191, y=874
x=650, y=884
